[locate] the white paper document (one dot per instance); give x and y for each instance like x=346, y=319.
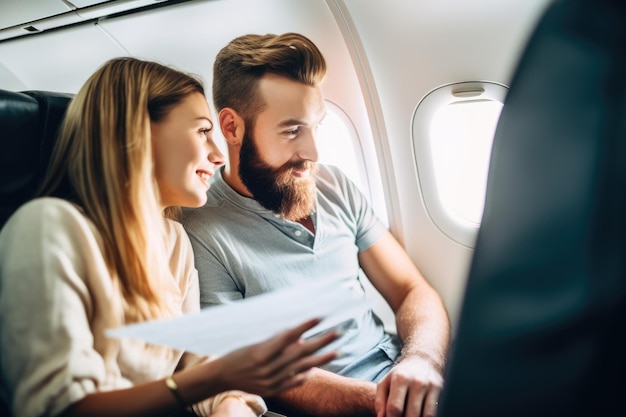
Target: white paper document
x=221, y=329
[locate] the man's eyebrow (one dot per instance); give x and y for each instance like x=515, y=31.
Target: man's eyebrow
x=294, y=121
x=291, y=122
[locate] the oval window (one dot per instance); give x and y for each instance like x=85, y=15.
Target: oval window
x=453, y=129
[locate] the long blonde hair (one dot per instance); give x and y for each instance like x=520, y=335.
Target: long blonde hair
x=103, y=162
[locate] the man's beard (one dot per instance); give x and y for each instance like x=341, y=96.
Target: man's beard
x=277, y=189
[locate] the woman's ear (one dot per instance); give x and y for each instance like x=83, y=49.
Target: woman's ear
x=232, y=125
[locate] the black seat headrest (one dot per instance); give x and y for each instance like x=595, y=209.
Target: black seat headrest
x=29, y=122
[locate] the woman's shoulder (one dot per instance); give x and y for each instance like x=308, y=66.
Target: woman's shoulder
x=51, y=204
x=47, y=216
x=181, y=260
x=45, y=208
x=174, y=229
x=178, y=240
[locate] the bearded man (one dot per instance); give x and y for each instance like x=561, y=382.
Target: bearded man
x=276, y=218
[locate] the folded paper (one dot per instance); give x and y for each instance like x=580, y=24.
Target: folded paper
x=221, y=329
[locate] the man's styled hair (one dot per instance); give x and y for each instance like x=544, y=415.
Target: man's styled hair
x=242, y=62
x=103, y=162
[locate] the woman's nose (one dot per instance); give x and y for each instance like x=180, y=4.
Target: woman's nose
x=215, y=156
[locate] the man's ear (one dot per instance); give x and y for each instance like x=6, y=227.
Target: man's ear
x=232, y=125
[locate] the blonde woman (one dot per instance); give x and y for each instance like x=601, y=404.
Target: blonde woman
x=99, y=249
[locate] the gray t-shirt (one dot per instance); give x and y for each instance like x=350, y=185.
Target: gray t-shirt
x=242, y=250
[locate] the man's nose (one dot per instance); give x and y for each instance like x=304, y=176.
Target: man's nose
x=308, y=151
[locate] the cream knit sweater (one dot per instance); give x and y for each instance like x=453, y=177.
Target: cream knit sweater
x=56, y=301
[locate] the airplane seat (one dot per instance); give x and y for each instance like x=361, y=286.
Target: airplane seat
x=540, y=331
x=29, y=121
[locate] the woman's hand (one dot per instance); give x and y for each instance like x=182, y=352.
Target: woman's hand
x=280, y=363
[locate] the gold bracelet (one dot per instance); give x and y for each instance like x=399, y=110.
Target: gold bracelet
x=173, y=386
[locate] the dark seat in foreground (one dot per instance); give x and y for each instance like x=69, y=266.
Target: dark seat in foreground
x=541, y=331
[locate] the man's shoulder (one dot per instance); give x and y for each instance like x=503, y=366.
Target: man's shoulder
x=330, y=178
x=209, y=213
x=336, y=186
x=329, y=173
x=219, y=213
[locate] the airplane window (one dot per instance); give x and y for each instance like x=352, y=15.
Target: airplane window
x=339, y=144
x=336, y=145
x=453, y=129
x=461, y=136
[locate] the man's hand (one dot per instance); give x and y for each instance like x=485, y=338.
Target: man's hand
x=410, y=389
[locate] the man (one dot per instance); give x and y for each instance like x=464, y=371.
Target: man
x=276, y=218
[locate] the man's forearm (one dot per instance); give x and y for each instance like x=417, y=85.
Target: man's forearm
x=327, y=395
x=424, y=327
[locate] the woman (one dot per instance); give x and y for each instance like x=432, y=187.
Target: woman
x=98, y=250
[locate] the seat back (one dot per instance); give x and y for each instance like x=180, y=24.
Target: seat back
x=540, y=332
x=29, y=122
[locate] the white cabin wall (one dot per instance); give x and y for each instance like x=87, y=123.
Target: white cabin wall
x=56, y=61
x=10, y=81
x=412, y=47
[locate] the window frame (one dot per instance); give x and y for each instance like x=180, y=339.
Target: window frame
x=462, y=231
x=370, y=182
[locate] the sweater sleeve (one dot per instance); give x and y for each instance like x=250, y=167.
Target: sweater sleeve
x=48, y=255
